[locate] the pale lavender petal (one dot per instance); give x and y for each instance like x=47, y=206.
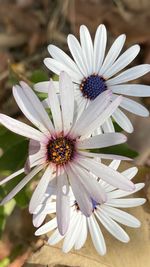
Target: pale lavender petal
x=47, y=227
x=111, y=226
x=62, y=204
x=101, y=141
x=40, y=189
x=82, y=197
x=67, y=100
x=20, y=128
x=21, y=184
x=96, y=235
x=92, y=186
x=107, y=174
x=41, y=112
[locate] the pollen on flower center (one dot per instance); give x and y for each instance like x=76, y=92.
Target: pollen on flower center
x=60, y=150
x=92, y=86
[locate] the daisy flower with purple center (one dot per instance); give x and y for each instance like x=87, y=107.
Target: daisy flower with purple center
x=94, y=73
x=108, y=214
x=61, y=148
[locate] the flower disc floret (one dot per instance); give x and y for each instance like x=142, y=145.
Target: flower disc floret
x=92, y=86
x=60, y=150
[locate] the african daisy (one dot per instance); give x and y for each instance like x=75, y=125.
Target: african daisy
x=60, y=147
x=107, y=214
x=93, y=73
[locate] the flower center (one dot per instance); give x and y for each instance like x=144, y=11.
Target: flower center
x=94, y=204
x=60, y=150
x=93, y=86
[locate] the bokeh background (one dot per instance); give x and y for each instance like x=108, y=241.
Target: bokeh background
x=26, y=28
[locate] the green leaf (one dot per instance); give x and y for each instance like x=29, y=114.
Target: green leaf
x=14, y=157
x=5, y=262
x=39, y=75
x=117, y=127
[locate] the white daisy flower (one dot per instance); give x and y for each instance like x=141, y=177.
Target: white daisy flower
x=61, y=147
x=94, y=73
x=107, y=214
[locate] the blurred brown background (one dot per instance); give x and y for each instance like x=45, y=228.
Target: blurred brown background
x=27, y=26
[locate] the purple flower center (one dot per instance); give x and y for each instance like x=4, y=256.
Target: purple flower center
x=60, y=150
x=94, y=203
x=93, y=86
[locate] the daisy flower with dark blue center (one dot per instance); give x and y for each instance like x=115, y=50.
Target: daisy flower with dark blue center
x=108, y=214
x=94, y=72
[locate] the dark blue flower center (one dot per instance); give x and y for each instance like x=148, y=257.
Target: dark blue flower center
x=93, y=86
x=94, y=203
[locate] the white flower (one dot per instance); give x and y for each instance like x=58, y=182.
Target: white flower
x=107, y=214
x=60, y=147
x=93, y=73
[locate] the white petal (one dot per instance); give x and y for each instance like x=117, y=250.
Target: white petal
x=79, y=108
x=115, y=164
x=63, y=58
x=28, y=108
x=138, y=90
x=20, y=128
x=49, y=208
x=96, y=235
x=91, y=185
x=130, y=173
x=126, y=203
x=82, y=197
x=107, y=174
x=134, y=107
x=121, y=216
x=62, y=204
x=95, y=114
x=39, y=109
x=21, y=184
x=82, y=234
x=129, y=75
x=113, y=53
x=122, y=120
x=87, y=48
x=67, y=100
x=101, y=141
x=45, y=103
x=37, y=152
x=11, y=176
x=112, y=227
x=38, y=219
x=47, y=227
x=55, y=107
x=108, y=126
x=55, y=238
x=99, y=47
x=76, y=52
x=121, y=193
x=56, y=66
x=41, y=87
x=125, y=59
x=72, y=233
x=91, y=113
x=102, y=117
x=103, y=156
x=40, y=189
